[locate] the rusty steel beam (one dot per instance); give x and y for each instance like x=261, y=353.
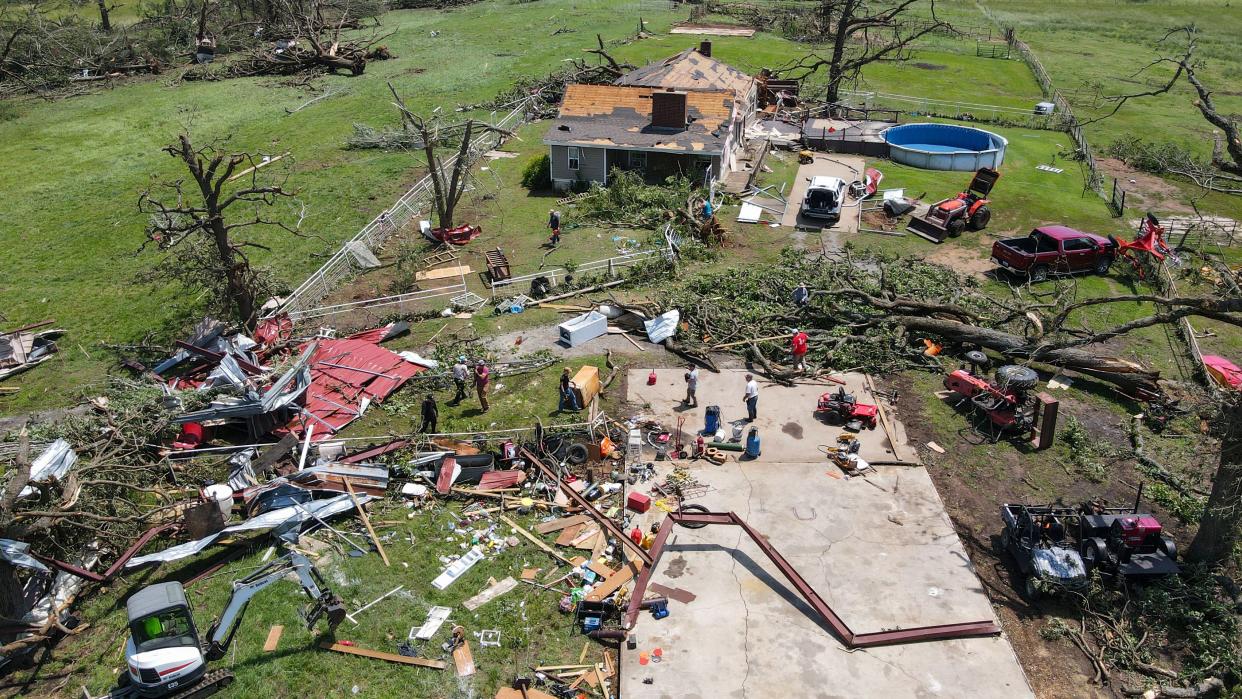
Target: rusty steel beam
x=595, y=514
x=808, y=593
x=116, y=565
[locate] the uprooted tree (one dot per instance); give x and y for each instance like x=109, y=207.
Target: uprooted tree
x=117, y=489
x=858, y=33
x=196, y=225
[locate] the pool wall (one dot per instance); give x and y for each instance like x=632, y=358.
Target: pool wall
x=945, y=147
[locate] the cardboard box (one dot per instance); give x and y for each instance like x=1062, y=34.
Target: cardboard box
x=586, y=385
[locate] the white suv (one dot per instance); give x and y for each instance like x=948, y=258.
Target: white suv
x=823, y=198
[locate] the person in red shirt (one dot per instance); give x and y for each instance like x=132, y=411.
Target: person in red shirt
x=482, y=376
x=799, y=344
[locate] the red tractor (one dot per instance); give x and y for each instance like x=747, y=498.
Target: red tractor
x=844, y=408
x=969, y=209
x=1006, y=403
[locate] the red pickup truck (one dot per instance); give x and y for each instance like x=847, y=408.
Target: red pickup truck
x=1055, y=250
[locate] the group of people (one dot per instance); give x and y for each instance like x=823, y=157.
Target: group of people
x=480, y=375
x=799, y=345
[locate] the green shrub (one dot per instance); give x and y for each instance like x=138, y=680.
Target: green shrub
x=538, y=173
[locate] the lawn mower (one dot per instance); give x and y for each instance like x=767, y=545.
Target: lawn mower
x=1036, y=538
x=844, y=408
x=969, y=209
x=1006, y=403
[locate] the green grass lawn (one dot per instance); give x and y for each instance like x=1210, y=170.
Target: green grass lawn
x=74, y=168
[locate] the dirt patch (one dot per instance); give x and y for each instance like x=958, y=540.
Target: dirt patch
x=929, y=66
x=974, y=260
x=1143, y=190
x=792, y=429
x=972, y=494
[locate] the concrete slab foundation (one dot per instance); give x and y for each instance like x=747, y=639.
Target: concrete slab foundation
x=881, y=551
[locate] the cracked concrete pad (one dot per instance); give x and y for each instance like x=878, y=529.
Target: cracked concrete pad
x=881, y=552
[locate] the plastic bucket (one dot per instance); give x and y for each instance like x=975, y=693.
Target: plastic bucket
x=223, y=497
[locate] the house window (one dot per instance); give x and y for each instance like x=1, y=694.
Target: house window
x=574, y=156
x=638, y=160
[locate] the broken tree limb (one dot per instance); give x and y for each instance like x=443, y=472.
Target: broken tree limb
x=1207, y=688
x=1152, y=467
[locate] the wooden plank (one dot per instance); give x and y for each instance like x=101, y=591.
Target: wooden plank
x=600, y=569
x=585, y=647
x=273, y=638
x=534, y=540
x=269, y=456
x=569, y=534
x=379, y=655
x=614, y=583
x=558, y=524
x=586, y=537
x=464, y=659
x=490, y=594
x=589, y=543
x=367, y=521
x=674, y=593
x=256, y=166
x=532, y=693
x=444, y=273
x=530, y=573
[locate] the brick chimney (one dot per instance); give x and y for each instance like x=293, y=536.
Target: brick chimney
x=705, y=48
x=669, y=109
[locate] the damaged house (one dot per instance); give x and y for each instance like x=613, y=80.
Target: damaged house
x=686, y=114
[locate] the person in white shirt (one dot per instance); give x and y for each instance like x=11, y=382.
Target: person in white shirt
x=692, y=386
x=460, y=372
x=751, y=398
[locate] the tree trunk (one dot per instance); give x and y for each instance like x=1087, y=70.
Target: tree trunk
x=835, y=72
x=104, y=22
x=1218, y=527
x=1112, y=369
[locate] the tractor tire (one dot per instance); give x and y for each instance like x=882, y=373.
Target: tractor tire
x=1017, y=377
x=956, y=226
x=1103, y=264
x=1095, y=555
x=1030, y=591
x=577, y=454
x=980, y=219
x=693, y=508
x=1038, y=273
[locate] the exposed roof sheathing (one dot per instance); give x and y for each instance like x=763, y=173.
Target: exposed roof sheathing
x=616, y=116
x=690, y=70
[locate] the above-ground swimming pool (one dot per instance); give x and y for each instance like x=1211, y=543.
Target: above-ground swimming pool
x=945, y=146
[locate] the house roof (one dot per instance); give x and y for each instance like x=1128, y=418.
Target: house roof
x=690, y=70
x=606, y=116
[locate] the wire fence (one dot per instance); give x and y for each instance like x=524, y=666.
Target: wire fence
x=962, y=111
x=345, y=263
x=609, y=265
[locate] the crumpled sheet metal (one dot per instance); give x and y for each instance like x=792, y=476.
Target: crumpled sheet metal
x=282, y=518
x=17, y=553
x=52, y=464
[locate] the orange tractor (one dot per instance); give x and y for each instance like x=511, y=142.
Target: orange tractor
x=969, y=209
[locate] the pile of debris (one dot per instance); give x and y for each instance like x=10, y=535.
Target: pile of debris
x=26, y=347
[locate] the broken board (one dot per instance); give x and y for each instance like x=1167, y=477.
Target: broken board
x=490, y=594
x=568, y=534
x=532, y=693
x=614, y=582
x=380, y=655
x=464, y=659
x=558, y=524
x=273, y=638
x=443, y=273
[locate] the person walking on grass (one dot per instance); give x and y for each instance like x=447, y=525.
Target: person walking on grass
x=751, y=398
x=568, y=397
x=482, y=376
x=554, y=223
x=798, y=346
x=692, y=386
x=431, y=415
x=460, y=373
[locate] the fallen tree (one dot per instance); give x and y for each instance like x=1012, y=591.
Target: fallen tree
x=875, y=312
